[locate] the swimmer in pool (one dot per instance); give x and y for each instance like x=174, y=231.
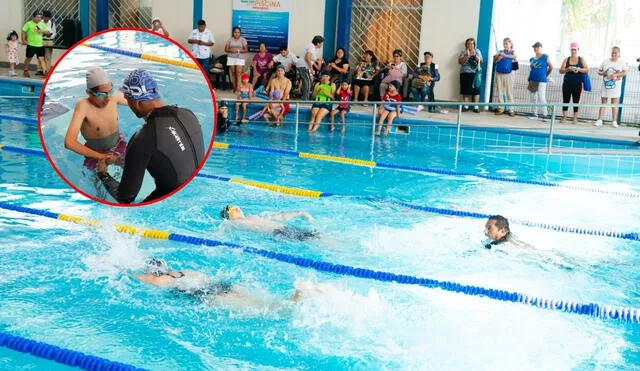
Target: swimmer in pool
x=96, y=118
x=219, y=293
x=267, y=224
x=498, y=231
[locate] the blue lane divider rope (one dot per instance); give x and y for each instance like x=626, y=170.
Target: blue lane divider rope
x=61, y=355
x=25, y=151
x=128, y=53
x=625, y=314
x=451, y=172
x=632, y=236
x=32, y=122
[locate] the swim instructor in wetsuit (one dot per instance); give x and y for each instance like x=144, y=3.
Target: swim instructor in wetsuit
x=170, y=144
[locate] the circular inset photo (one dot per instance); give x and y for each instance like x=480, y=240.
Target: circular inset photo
x=127, y=117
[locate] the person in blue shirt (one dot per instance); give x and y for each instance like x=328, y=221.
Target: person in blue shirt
x=504, y=60
x=541, y=68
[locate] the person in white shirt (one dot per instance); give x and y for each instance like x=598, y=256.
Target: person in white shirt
x=286, y=58
x=612, y=71
x=308, y=64
x=158, y=27
x=47, y=41
x=201, y=41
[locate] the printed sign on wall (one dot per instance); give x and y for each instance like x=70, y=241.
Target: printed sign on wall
x=263, y=21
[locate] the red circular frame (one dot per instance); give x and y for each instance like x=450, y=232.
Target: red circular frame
x=213, y=132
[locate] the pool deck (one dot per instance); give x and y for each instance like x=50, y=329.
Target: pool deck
x=518, y=122
x=4, y=74
x=483, y=119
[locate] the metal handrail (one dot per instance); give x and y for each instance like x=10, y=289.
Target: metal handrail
x=440, y=103
x=458, y=105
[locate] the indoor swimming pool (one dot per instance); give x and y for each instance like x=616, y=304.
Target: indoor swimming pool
x=73, y=286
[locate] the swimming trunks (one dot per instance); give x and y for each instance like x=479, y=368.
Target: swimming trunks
x=114, y=144
x=215, y=289
x=326, y=106
x=169, y=146
x=296, y=234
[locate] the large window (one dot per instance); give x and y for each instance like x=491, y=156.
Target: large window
x=596, y=25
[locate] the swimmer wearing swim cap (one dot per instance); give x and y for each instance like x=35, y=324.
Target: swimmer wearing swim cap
x=170, y=146
x=212, y=291
x=268, y=224
x=96, y=119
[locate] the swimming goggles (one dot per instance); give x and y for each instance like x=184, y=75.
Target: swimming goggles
x=104, y=95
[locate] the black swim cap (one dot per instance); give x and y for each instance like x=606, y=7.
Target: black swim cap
x=224, y=213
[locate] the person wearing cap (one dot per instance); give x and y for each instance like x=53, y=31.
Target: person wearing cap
x=32, y=33
x=96, y=119
x=211, y=291
x=158, y=27
x=504, y=61
x=389, y=111
x=222, y=118
x=170, y=145
x=201, y=41
x=323, y=93
x=612, y=71
x=540, y=69
x=574, y=68
x=245, y=93
x=47, y=41
x=270, y=223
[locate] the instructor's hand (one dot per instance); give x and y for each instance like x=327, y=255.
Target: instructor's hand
x=110, y=158
x=102, y=166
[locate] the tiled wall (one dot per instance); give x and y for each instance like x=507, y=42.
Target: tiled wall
x=16, y=88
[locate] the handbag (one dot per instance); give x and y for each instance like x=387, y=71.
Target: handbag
x=586, y=82
x=514, y=65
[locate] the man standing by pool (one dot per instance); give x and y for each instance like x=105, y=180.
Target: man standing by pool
x=32, y=33
x=170, y=144
x=201, y=41
x=96, y=118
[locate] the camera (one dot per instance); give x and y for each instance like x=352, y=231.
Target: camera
x=473, y=61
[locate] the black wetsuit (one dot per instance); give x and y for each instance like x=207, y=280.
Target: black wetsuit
x=222, y=123
x=505, y=238
x=170, y=146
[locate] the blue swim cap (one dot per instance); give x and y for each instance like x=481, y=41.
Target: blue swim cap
x=140, y=86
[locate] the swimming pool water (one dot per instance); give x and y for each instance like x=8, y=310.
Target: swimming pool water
x=177, y=85
x=72, y=286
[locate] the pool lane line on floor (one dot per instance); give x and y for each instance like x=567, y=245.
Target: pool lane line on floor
x=429, y=209
x=380, y=165
x=61, y=355
x=144, y=56
x=624, y=314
